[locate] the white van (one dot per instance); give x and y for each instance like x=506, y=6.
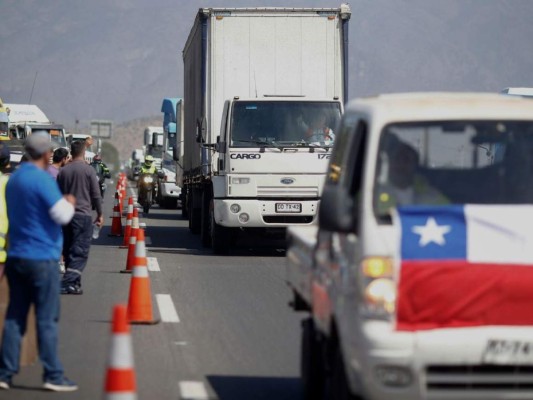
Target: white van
x=419, y=276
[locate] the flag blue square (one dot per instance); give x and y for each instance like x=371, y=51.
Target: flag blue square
x=433, y=232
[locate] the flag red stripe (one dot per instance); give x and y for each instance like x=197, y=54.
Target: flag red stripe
x=439, y=294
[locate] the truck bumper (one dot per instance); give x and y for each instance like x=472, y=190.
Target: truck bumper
x=169, y=189
x=440, y=364
x=262, y=214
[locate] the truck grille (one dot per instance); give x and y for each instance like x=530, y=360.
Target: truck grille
x=280, y=191
x=471, y=378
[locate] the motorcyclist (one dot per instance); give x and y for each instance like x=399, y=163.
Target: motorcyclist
x=148, y=168
x=102, y=172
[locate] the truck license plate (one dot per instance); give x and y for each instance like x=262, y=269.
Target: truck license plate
x=288, y=207
x=504, y=352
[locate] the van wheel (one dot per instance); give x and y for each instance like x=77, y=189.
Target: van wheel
x=337, y=387
x=311, y=362
x=220, y=236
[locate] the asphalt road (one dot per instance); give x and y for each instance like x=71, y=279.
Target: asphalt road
x=236, y=337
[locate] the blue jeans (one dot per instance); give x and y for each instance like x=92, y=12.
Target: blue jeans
x=36, y=282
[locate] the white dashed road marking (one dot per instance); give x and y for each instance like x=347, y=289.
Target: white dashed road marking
x=153, y=265
x=193, y=390
x=166, y=308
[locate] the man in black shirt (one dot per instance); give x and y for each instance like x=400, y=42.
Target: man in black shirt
x=79, y=179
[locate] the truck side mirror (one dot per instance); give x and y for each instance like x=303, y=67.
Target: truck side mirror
x=336, y=212
x=175, y=153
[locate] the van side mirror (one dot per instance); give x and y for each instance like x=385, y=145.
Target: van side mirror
x=175, y=153
x=336, y=212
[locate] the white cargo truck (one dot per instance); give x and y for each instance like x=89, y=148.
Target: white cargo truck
x=27, y=118
x=264, y=90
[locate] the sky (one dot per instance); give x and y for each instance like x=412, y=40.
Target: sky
x=117, y=59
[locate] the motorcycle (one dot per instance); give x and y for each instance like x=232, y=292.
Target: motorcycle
x=147, y=188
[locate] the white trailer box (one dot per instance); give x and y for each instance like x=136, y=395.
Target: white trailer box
x=266, y=56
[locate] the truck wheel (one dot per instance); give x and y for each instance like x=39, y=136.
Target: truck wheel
x=184, y=205
x=195, y=216
x=311, y=362
x=205, y=234
x=220, y=236
x=337, y=387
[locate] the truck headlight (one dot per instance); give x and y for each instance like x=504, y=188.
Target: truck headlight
x=239, y=181
x=379, y=287
x=235, y=208
x=244, y=218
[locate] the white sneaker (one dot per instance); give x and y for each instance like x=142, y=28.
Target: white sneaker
x=4, y=385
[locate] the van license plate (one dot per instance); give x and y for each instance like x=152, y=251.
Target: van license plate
x=288, y=207
x=504, y=352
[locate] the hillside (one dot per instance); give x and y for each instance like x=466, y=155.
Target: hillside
x=115, y=59
x=128, y=136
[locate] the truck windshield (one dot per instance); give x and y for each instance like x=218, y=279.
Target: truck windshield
x=57, y=137
x=156, y=152
x=3, y=129
x=459, y=162
x=287, y=123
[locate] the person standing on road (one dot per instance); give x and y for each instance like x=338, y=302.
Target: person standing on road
x=36, y=210
x=59, y=159
x=79, y=179
x=4, y=163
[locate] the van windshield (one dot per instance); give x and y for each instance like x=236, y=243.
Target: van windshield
x=454, y=162
x=284, y=123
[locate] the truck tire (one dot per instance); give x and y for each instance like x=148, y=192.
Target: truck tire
x=311, y=362
x=205, y=234
x=337, y=387
x=184, y=205
x=195, y=215
x=220, y=236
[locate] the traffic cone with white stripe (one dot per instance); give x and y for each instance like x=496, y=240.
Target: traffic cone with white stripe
x=127, y=229
x=140, y=298
x=116, y=226
x=120, y=375
x=131, y=245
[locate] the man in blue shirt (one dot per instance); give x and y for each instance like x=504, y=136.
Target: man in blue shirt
x=36, y=210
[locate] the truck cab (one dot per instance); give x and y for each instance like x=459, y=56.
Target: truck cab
x=270, y=161
x=422, y=154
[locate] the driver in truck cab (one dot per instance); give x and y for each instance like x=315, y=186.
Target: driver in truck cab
x=318, y=130
x=401, y=183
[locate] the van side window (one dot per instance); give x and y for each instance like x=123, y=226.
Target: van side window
x=341, y=149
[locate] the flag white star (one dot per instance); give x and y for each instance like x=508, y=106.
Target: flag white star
x=431, y=232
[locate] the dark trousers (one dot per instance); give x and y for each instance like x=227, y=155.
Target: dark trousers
x=76, y=245
x=36, y=282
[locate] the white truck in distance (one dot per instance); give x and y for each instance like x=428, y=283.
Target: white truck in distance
x=264, y=90
x=27, y=118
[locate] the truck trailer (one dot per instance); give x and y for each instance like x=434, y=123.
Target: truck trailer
x=264, y=91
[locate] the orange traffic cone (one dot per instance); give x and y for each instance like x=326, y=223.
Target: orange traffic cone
x=120, y=375
x=139, y=259
x=129, y=218
x=116, y=226
x=131, y=244
x=140, y=298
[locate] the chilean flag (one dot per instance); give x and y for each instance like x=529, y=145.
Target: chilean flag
x=462, y=266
